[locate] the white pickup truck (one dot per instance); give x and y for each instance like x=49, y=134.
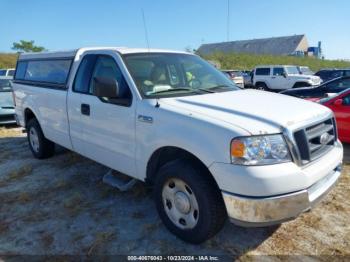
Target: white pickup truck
x=209, y=149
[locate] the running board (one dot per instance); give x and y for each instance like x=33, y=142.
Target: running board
x=117, y=182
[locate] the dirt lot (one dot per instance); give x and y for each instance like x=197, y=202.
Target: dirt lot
x=60, y=206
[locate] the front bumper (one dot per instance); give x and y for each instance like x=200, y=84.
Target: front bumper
x=264, y=211
x=6, y=119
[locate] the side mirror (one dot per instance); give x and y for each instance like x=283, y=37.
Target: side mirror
x=105, y=87
x=338, y=102
x=284, y=74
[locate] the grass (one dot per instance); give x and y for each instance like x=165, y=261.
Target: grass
x=10, y=132
x=249, y=61
x=100, y=239
x=8, y=60
x=74, y=202
x=17, y=174
x=148, y=228
x=20, y=173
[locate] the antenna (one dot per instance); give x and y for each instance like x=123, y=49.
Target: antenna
x=228, y=20
x=145, y=27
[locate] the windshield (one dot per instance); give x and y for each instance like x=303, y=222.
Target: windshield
x=292, y=70
x=5, y=85
x=305, y=70
x=324, y=100
x=170, y=74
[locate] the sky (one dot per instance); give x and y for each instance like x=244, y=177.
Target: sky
x=176, y=24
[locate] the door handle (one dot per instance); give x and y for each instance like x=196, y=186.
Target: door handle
x=273, y=77
x=85, y=109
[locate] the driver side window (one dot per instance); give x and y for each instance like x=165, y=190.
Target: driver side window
x=278, y=71
x=106, y=67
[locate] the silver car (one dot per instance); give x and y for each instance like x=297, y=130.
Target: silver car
x=7, y=108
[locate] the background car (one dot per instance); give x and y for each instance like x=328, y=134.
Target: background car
x=305, y=70
x=331, y=87
x=329, y=74
x=248, y=79
x=7, y=72
x=7, y=108
x=236, y=76
x=340, y=104
x=281, y=77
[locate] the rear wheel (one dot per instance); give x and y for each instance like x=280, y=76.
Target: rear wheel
x=38, y=144
x=188, y=201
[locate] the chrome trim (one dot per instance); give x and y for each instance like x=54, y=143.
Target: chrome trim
x=263, y=211
x=146, y=119
x=293, y=148
x=289, y=131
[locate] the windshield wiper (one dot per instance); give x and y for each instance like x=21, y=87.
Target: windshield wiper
x=217, y=87
x=173, y=90
x=206, y=90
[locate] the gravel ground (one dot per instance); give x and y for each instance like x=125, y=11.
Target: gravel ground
x=60, y=206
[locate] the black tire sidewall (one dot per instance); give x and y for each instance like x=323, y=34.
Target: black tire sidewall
x=262, y=86
x=191, y=176
x=44, y=147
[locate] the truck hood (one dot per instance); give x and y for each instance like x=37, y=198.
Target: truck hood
x=305, y=77
x=6, y=99
x=258, y=112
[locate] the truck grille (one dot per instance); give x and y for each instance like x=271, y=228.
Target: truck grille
x=314, y=141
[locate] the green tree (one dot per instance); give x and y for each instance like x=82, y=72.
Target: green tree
x=27, y=46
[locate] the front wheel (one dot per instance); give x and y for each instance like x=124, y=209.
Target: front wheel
x=188, y=201
x=262, y=86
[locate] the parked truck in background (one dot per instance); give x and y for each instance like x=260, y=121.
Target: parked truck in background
x=281, y=77
x=7, y=72
x=209, y=149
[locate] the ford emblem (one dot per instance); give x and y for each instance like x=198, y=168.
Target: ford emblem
x=324, y=138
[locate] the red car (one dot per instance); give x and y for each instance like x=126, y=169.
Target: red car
x=340, y=104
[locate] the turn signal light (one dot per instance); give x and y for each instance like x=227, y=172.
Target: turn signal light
x=237, y=148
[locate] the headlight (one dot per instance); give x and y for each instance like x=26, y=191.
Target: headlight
x=259, y=150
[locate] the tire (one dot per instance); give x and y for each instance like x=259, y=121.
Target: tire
x=40, y=146
x=262, y=86
x=180, y=180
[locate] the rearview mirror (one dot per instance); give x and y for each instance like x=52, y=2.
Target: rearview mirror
x=105, y=87
x=338, y=102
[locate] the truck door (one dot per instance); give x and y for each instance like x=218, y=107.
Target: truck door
x=278, y=80
x=74, y=101
x=108, y=125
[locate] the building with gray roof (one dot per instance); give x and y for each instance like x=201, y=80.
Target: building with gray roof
x=285, y=45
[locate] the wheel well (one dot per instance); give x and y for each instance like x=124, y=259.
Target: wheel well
x=166, y=154
x=260, y=83
x=28, y=115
